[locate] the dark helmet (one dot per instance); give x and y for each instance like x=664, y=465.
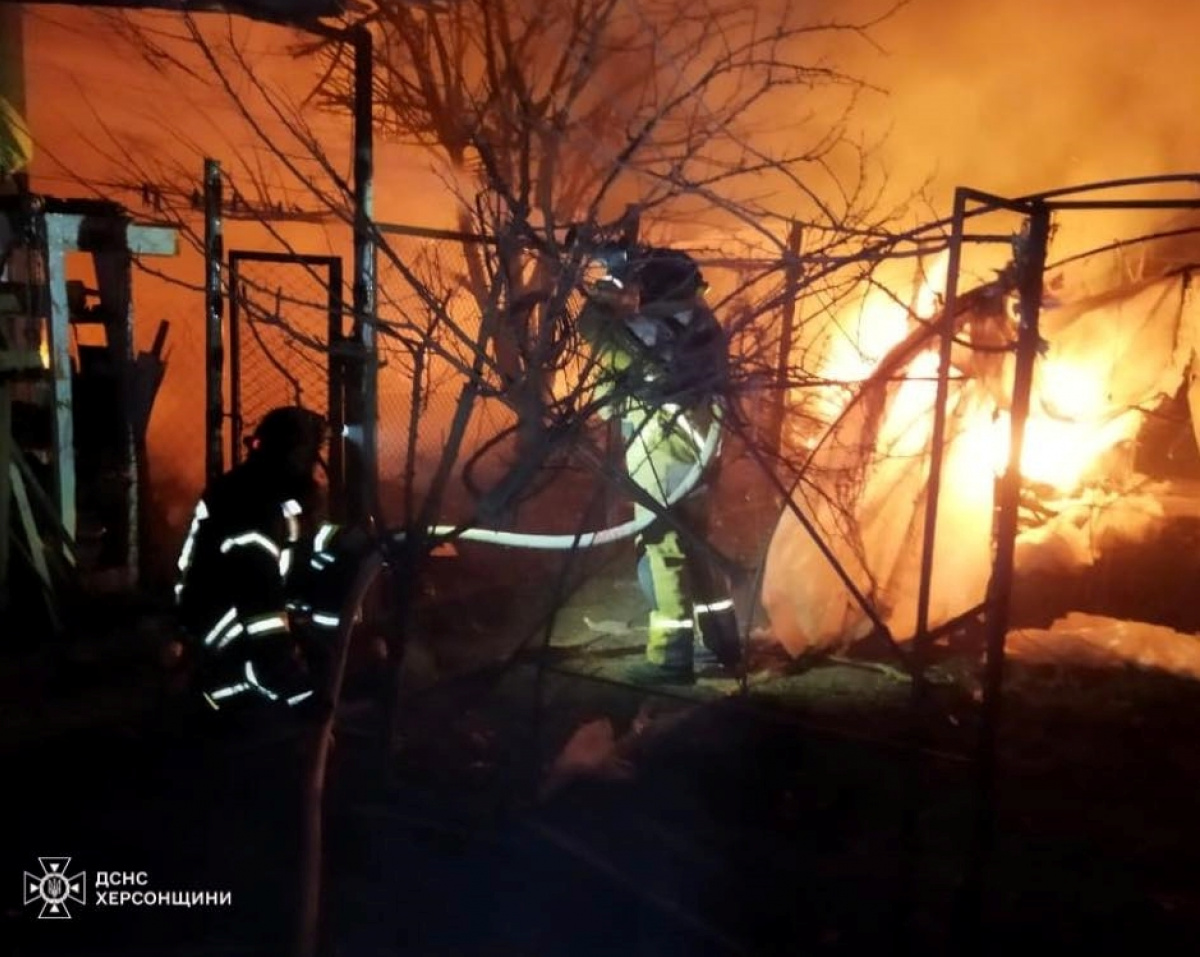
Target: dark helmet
x=665, y=275
x=285, y=429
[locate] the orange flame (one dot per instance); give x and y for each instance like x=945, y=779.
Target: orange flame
x=1065, y=432
x=880, y=323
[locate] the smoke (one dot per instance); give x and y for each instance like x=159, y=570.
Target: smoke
x=1020, y=96
x=1010, y=96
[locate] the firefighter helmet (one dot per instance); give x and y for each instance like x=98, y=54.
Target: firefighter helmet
x=287, y=428
x=665, y=275
x=650, y=274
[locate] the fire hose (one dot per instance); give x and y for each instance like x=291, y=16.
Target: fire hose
x=553, y=542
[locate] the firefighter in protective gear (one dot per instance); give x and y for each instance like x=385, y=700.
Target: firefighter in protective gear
x=664, y=359
x=252, y=528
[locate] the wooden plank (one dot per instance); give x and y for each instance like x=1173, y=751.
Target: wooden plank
x=152, y=240
x=114, y=280
x=77, y=232
x=39, y=497
x=148, y=373
x=37, y=549
x=62, y=231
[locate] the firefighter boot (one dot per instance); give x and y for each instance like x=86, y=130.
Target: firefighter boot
x=669, y=653
x=717, y=629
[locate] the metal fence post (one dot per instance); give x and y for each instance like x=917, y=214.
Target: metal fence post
x=910, y=828
x=791, y=283
x=1031, y=263
x=214, y=253
x=362, y=394
x=337, y=392
x=611, y=502
x=937, y=449
x=237, y=422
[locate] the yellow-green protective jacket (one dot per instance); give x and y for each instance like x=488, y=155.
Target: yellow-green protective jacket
x=662, y=370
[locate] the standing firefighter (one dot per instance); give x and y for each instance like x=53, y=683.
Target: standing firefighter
x=254, y=533
x=664, y=359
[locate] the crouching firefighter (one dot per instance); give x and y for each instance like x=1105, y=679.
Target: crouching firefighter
x=250, y=569
x=663, y=359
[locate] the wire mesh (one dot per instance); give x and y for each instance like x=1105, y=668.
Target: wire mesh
x=280, y=329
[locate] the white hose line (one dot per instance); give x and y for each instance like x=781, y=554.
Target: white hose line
x=605, y=536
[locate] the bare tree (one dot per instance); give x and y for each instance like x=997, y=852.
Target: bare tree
x=548, y=115
x=545, y=116
x=551, y=118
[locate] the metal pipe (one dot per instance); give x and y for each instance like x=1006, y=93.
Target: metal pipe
x=236, y=420
x=362, y=412
x=922, y=639
x=937, y=448
x=1096, y=186
x=1098, y=205
x=428, y=232
x=791, y=282
x=214, y=253
x=337, y=391
x=1031, y=262
x=1020, y=204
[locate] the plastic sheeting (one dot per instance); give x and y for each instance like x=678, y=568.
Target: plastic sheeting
x=1095, y=641
x=1108, y=360
x=1085, y=527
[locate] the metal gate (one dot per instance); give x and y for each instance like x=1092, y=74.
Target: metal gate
x=286, y=322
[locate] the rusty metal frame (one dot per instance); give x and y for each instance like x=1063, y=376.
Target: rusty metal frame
x=1031, y=249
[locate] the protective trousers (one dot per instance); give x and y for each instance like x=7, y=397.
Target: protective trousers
x=687, y=596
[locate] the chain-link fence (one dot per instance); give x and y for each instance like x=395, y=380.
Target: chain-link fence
x=284, y=312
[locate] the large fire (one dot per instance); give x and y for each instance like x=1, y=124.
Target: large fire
x=1104, y=362
x=1067, y=431
x=1110, y=354
x=858, y=342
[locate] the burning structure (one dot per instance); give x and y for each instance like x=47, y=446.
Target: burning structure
x=1095, y=380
